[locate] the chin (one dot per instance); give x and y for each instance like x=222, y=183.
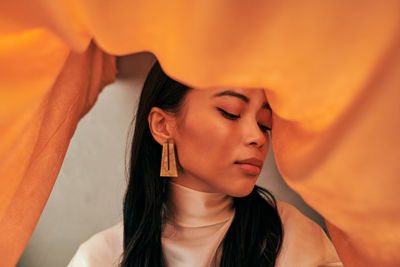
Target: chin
x=242, y=189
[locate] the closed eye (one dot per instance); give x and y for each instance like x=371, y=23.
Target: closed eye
x=228, y=115
x=231, y=116
x=264, y=128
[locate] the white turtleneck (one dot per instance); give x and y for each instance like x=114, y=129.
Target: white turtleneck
x=197, y=223
x=196, y=226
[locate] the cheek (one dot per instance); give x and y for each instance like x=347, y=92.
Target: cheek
x=204, y=144
x=266, y=146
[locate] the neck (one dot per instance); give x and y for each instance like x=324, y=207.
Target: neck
x=188, y=207
x=193, y=182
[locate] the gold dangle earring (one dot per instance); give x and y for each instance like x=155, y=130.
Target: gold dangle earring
x=168, y=163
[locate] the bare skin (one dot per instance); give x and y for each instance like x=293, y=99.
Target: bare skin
x=209, y=142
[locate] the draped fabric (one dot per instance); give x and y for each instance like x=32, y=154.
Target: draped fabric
x=330, y=69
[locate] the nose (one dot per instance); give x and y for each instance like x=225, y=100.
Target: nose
x=254, y=135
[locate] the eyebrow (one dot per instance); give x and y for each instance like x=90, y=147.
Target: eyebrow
x=240, y=96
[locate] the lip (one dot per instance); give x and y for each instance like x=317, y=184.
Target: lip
x=252, y=161
x=251, y=166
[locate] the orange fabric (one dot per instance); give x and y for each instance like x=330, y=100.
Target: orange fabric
x=45, y=90
x=331, y=70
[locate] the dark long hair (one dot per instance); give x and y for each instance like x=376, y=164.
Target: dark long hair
x=253, y=239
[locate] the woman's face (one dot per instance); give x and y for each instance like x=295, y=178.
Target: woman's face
x=221, y=137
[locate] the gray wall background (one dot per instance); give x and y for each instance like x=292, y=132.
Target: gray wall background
x=87, y=196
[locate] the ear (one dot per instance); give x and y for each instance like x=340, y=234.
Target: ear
x=161, y=125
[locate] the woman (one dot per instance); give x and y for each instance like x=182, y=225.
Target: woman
x=202, y=207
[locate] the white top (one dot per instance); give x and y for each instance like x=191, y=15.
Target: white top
x=199, y=222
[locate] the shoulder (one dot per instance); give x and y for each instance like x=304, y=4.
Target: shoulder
x=102, y=249
x=292, y=217
x=297, y=226
x=304, y=241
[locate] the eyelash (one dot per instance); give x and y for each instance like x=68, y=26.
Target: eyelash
x=233, y=117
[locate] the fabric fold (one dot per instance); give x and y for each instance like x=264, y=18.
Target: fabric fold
x=330, y=71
